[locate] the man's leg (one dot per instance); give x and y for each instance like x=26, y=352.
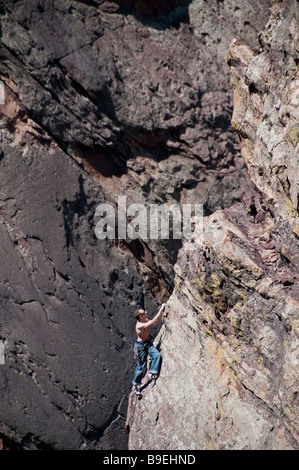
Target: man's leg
x=141, y=365
x=155, y=360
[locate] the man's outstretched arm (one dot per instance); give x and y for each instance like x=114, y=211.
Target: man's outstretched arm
x=158, y=317
x=155, y=320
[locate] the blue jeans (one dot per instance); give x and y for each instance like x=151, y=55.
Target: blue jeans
x=141, y=351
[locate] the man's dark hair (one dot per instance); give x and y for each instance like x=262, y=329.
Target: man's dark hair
x=137, y=313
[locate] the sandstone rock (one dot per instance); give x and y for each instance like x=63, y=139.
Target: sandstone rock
x=229, y=344
x=230, y=336
x=137, y=99
x=66, y=299
x=104, y=99
x=266, y=109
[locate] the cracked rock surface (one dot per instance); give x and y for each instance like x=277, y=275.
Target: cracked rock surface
x=63, y=339
x=112, y=98
x=139, y=96
x=229, y=343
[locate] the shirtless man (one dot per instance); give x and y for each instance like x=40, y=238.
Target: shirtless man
x=144, y=347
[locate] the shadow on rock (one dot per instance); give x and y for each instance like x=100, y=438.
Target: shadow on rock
x=158, y=14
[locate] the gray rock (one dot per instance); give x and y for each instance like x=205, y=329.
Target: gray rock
x=101, y=99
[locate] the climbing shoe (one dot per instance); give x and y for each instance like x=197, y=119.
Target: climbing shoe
x=136, y=390
x=152, y=377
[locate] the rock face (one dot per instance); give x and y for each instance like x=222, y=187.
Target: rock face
x=64, y=341
x=229, y=342
x=103, y=99
x=266, y=110
x=141, y=98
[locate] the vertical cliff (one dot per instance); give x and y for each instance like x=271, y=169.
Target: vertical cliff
x=101, y=99
x=229, y=342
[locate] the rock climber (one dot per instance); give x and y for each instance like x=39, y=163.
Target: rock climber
x=144, y=347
